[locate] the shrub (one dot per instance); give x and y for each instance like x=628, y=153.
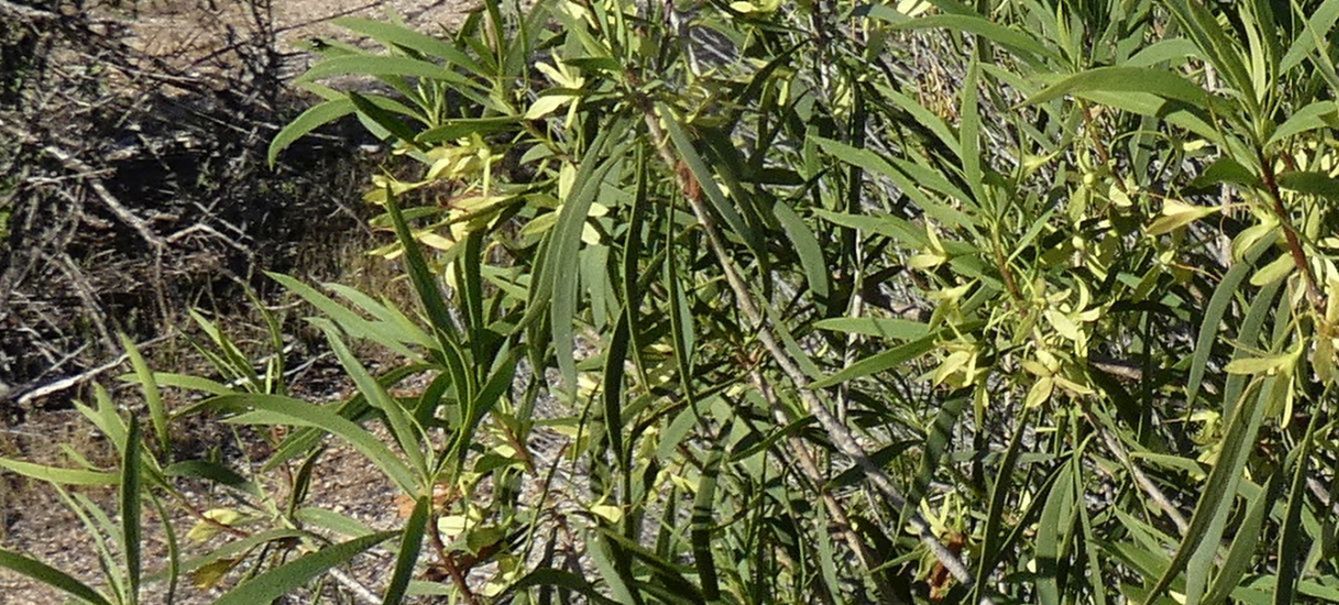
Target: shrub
x=925, y=301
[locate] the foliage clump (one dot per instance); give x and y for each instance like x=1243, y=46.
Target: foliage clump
x=1059, y=327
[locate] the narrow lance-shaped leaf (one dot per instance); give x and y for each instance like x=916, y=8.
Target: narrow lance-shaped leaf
x=999, y=495
x=389, y=33
x=1160, y=82
x=50, y=576
x=410, y=544
x=131, y=508
x=806, y=247
x=1213, y=316
x=1219, y=490
x=701, y=534
x=57, y=475
x=153, y=399
x=282, y=580
x=315, y=117
x=970, y=135
x=305, y=414
x=706, y=180
x=1242, y=551
x=1291, y=544
x=401, y=425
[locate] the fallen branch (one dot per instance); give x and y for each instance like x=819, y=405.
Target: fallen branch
x=120, y=210
x=26, y=396
x=28, y=12
x=79, y=167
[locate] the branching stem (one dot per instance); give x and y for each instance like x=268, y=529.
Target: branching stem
x=842, y=437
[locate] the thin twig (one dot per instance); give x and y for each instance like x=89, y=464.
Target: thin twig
x=27, y=11
x=73, y=163
x=1150, y=488
x=51, y=388
x=360, y=592
x=809, y=468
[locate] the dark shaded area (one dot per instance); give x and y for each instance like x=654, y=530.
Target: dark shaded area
x=132, y=188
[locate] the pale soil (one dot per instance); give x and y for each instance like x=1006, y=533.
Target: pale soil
x=198, y=32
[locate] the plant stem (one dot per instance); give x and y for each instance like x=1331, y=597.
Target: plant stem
x=449, y=562
x=842, y=437
x=1290, y=234
x=809, y=468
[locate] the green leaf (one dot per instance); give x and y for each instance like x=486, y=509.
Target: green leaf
x=352, y=323
x=702, y=523
x=1094, y=564
x=878, y=363
x=315, y=117
x=617, y=577
x=1176, y=215
x=999, y=496
x=1311, y=183
x=210, y=471
x=50, y=576
x=1216, y=497
x=430, y=297
x=1277, y=269
x=827, y=559
x=406, y=433
x=410, y=544
x=1320, y=23
x=1226, y=170
x=1260, y=365
x=806, y=247
x=1159, y=82
x=1242, y=550
x=1306, y=119
x=1054, y=531
x=131, y=508
x=706, y=180
x=173, y=549
x=1022, y=44
x=616, y=356
x=1213, y=316
x=338, y=523
x=388, y=121
x=1203, y=26
x=391, y=34
x=184, y=381
x=1163, y=50
x=57, y=475
x=153, y=399
x=379, y=65
x=562, y=258
x=1291, y=543
x=970, y=135
x=879, y=327
x=890, y=226
x=872, y=163
x=284, y=579
x=301, y=413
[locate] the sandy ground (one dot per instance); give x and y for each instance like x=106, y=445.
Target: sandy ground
x=201, y=31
